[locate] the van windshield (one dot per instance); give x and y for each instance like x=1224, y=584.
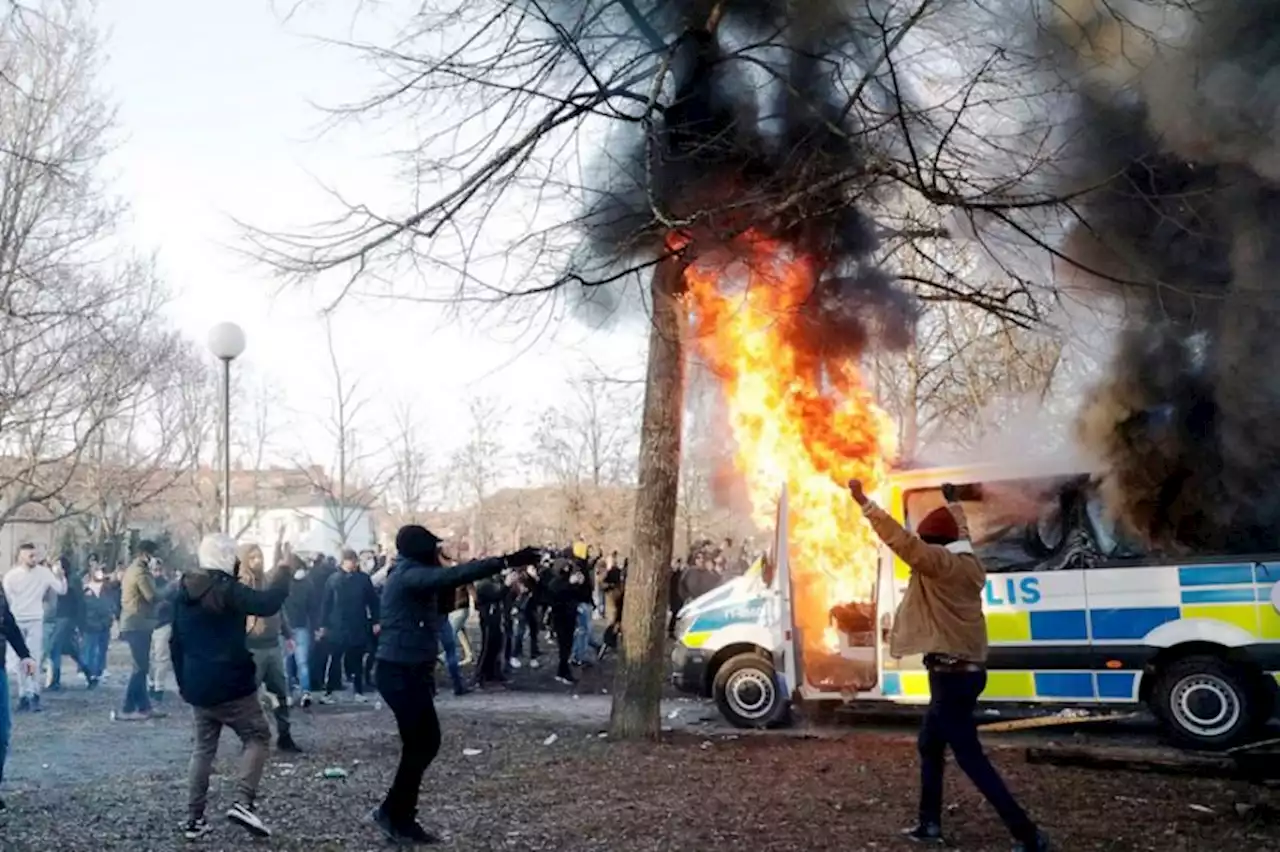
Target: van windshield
x=1015, y=525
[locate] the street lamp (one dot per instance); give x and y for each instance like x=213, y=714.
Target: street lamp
x=226, y=342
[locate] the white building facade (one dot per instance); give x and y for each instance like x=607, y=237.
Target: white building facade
x=325, y=527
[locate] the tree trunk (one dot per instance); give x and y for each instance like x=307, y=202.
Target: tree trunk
x=642, y=663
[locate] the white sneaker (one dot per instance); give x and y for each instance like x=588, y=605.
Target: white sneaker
x=244, y=817
x=360, y=698
x=534, y=664
x=515, y=664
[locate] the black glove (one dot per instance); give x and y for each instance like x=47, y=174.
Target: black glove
x=949, y=492
x=524, y=557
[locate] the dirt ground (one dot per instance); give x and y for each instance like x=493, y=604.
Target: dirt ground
x=545, y=779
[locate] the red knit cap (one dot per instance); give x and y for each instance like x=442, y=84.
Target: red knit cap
x=939, y=527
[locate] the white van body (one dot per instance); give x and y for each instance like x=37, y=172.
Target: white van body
x=1076, y=621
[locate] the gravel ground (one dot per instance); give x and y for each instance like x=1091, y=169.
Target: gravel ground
x=78, y=781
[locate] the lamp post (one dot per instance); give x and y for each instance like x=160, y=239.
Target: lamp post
x=226, y=342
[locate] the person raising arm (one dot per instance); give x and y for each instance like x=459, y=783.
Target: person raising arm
x=941, y=617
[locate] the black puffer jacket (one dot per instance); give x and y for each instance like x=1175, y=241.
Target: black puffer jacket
x=210, y=659
x=410, y=611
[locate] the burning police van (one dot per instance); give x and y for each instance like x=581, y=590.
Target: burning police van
x=1077, y=615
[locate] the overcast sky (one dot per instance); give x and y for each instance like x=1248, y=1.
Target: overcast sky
x=217, y=120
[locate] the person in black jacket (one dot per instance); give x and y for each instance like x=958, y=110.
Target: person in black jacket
x=321, y=650
x=215, y=674
x=68, y=615
x=348, y=619
x=407, y=649
x=494, y=597
x=564, y=589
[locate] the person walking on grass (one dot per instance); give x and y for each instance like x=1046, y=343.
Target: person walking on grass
x=137, y=624
x=407, y=650
x=10, y=635
x=348, y=617
x=26, y=586
x=216, y=676
x=265, y=636
x=940, y=616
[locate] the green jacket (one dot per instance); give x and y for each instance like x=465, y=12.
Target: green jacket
x=137, y=598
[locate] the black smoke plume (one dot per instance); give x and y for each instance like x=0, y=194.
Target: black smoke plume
x=752, y=134
x=1176, y=153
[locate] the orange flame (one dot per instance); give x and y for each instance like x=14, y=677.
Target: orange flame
x=798, y=418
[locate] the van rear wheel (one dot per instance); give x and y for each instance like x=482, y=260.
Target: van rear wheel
x=1207, y=703
x=747, y=692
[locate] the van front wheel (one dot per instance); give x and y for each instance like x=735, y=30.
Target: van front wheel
x=1205, y=702
x=747, y=692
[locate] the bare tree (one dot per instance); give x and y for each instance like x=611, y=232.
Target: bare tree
x=687, y=172
x=348, y=483
x=79, y=319
x=477, y=466
x=411, y=482
x=142, y=451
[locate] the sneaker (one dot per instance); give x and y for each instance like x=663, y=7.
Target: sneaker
x=286, y=744
x=1040, y=844
x=462, y=690
x=2, y=805
x=92, y=683
x=56, y=686
x=24, y=704
x=360, y=698
x=305, y=701
x=567, y=681
x=327, y=699
x=925, y=832
x=194, y=829
x=155, y=713
x=132, y=717
x=534, y=664
x=514, y=663
x=35, y=704
x=243, y=816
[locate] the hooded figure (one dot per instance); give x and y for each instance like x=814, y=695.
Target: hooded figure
x=941, y=617
x=407, y=649
x=216, y=675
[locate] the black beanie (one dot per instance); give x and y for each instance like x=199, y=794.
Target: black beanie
x=419, y=544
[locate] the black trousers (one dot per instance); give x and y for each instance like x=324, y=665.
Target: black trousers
x=492, y=644
x=407, y=690
x=953, y=696
x=349, y=658
x=564, y=620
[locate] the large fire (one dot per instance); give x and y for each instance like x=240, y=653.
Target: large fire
x=799, y=417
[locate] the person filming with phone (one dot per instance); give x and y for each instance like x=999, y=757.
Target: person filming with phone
x=941, y=618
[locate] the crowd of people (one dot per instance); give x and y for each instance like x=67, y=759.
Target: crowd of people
x=238, y=633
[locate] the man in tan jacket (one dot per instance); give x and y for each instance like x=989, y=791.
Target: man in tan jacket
x=941, y=618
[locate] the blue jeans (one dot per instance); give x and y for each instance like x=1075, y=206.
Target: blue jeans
x=302, y=656
x=136, y=699
x=582, y=636
x=95, y=651
x=6, y=721
x=449, y=644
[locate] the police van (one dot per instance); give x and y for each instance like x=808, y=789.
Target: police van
x=1077, y=614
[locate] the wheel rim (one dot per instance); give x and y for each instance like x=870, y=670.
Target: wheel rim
x=1205, y=705
x=750, y=693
